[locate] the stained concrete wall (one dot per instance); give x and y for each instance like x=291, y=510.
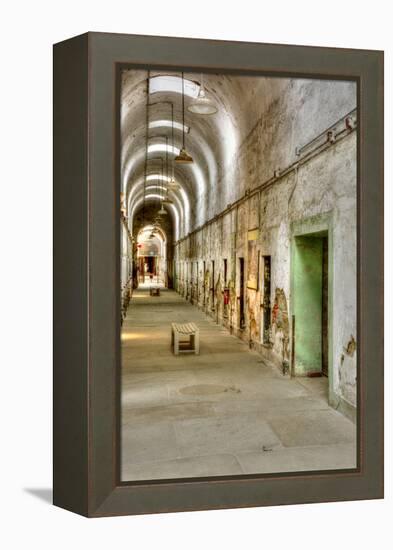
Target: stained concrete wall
x=319, y=190
x=125, y=258
x=274, y=117
x=126, y=255
x=259, y=123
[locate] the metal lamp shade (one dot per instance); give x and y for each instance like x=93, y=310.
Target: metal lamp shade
x=202, y=105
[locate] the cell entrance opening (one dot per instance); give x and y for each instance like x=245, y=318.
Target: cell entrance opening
x=311, y=287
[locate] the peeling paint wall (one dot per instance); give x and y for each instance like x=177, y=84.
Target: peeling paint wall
x=325, y=183
x=259, y=123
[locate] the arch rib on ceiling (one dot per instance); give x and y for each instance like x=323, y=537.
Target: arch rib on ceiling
x=148, y=101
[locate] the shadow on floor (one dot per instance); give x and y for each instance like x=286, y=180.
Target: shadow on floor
x=42, y=494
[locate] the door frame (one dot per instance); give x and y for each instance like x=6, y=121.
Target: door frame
x=263, y=314
x=320, y=223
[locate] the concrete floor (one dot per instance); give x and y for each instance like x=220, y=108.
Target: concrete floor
x=224, y=412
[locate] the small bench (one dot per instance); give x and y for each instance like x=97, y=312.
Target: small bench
x=186, y=330
x=154, y=291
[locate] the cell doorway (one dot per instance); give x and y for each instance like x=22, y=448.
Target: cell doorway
x=311, y=305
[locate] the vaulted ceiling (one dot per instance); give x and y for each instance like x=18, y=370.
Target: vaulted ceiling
x=214, y=141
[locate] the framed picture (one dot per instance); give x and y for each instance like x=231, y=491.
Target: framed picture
x=181, y=381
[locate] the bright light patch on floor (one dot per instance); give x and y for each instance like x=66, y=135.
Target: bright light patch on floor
x=126, y=336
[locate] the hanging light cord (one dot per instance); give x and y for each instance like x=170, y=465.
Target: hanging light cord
x=146, y=145
x=166, y=161
x=173, y=147
x=161, y=187
x=172, y=134
x=166, y=167
x=182, y=100
x=162, y=171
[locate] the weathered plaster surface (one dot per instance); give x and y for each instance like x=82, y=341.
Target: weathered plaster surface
x=260, y=124
x=324, y=184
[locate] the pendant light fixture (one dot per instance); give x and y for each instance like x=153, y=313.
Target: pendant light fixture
x=183, y=157
x=202, y=105
x=165, y=195
x=161, y=211
x=165, y=198
x=172, y=184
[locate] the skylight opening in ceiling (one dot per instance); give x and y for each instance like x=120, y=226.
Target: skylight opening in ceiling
x=162, y=148
x=152, y=177
x=168, y=124
x=168, y=83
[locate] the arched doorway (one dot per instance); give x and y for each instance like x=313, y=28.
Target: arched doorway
x=159, y=247
x=152, y=257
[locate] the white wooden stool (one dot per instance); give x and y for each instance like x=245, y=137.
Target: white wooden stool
x=191, y=332
x=154, y=291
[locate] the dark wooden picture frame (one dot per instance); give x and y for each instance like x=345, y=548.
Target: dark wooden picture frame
x=86, y=296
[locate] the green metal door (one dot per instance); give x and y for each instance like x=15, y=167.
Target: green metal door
x=307, y=286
